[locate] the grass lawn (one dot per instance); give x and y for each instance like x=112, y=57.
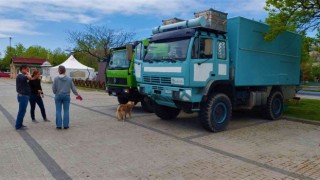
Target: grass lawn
x=308, y=90
x=306, y=109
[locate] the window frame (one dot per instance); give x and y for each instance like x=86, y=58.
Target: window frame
x=140, y=52
x=198, y=40
x=225, y=49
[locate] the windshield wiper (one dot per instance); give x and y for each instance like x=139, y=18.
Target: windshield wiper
x=148, y=60
x=170, y=59
x=176, y=59
x=199, y=63
x=155, y=60
x=118, y=68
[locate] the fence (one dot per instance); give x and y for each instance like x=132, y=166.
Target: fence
x=90, y=84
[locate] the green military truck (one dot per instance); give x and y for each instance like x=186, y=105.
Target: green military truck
x=120, y=76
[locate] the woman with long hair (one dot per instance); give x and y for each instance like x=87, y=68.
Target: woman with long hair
x=36, y=96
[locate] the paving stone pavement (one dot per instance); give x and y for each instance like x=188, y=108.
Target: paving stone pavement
x=97, y=146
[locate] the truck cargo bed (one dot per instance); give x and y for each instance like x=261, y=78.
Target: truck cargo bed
x=256, y=62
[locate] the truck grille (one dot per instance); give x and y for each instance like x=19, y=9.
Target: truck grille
x=158, y=80
x=157, y=88
x=117, y=81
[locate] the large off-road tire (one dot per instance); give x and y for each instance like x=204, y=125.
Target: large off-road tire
x=122, y=100
x=274, y=108
x=165, y=112
x=216, y=113
x=147, y=105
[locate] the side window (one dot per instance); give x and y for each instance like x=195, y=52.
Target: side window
x=202, y=48
x=137, y=53
x=195, y=49
x=221, y=50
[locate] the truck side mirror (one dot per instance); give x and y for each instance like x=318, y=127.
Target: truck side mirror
x=129, y=49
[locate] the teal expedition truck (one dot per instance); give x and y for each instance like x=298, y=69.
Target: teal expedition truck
x=120, y=77
x=214, y=66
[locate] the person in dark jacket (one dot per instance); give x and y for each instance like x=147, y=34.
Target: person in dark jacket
x=24, y=92
x=61, y=88
x=36, y=96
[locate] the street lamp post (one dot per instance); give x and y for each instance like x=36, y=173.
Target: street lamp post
x=10, y=38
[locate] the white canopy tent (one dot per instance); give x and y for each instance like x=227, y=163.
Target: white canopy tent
x=74, y=69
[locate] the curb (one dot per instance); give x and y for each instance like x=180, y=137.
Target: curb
x=305, y=121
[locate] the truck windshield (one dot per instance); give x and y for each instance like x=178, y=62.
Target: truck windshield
x=175, y=50
x=119, y=60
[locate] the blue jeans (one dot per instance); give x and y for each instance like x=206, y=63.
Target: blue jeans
x=37, y=99
x=23, y=104
x=62, y=100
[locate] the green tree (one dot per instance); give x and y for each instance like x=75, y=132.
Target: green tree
x=315, y=72
x=18, y=50
x=294, y=15
x=36, y=52
x=10, y=52
x=57, y=57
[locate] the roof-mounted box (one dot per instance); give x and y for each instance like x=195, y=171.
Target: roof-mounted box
x=215, y=19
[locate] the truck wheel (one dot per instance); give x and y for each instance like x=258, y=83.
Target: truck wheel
x=165, y=112
x=216, y=112
x=122, y=100
x=274, y=107
x=147, y=105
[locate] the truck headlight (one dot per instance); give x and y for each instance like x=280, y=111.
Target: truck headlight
x=179, y=81
x=126, y=91
x=142, y=90
x=176, y=94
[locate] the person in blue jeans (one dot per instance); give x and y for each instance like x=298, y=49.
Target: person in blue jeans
x=61, y=87
x=36, y=96
x=24, y=91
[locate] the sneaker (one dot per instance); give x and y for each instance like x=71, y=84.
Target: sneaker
x=66, y=128
x=34, y=121
x=58, y=127
x=22, y=128
x=46, y=120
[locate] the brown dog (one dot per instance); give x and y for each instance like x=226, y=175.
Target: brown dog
x=123, y=110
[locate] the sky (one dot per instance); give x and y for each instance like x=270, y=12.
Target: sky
x=47, y=22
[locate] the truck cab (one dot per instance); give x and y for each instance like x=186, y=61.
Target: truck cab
x=179, y=64
x=120, y=78
x=191, y=67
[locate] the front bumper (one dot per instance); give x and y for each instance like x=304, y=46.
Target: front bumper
x=132, y=94
x=172, y=96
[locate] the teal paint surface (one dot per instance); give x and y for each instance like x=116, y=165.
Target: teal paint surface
x=257, y=62
x=249, y=61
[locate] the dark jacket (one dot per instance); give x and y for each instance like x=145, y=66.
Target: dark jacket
x=22, y=86
x=35, y=85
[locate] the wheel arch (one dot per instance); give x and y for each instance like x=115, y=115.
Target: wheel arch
x=276, y=88
x=225, y=87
